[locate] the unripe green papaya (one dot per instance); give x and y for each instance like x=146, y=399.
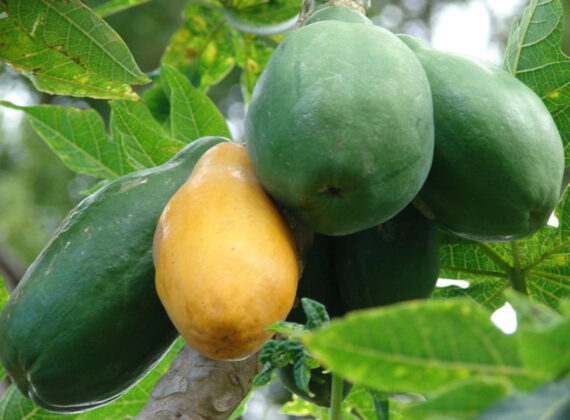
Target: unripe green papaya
x=85, y=322
x=316, y=283
x=340, y=126
x=499, y=159
x=393, y=262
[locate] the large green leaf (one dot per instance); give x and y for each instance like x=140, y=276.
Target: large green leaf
x=115, y=6
x=192, y=113
x=14, y=406
x=78, y=137
x=461, y=400
x=538, y=266
x=534, y=55
x=551, y=402
x=143, y=138
x=4, y=296
x=53, y=72
x=419, y=347
x=203, y=47
x=73, y=29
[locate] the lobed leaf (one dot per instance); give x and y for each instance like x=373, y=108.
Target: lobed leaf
x=142, y=137
x=550, y=402
x=78, y=137
x=192, y=113
x=202, y=49
x=73, y=29
x=487, y=292
x=463, y=399
x=534, y=55
x=115, y=6
x=252, y=54
x=419, y=347
x=53, y=72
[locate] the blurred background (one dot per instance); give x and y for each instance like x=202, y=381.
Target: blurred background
x=37, y=190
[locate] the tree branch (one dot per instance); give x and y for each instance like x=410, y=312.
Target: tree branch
x=198, y=388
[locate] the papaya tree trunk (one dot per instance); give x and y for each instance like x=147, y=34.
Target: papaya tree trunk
x=199, y=388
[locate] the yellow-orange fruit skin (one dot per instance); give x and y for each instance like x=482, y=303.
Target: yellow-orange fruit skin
x=226, y=265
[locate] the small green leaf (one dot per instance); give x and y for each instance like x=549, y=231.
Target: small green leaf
x=299, y=407
x=4, y=295
x=316, y=313
x=202, y=48
x=192, y=113
x=143, y=138
x=53, y=72
x=463, y=399
x=115, y=6
x=534, y=55
x=418, y=347
x=371, y=405
x=78, y=137
x=550, y=402
x=73, y=29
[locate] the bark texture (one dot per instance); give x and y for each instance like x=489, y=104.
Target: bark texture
x=198, y=388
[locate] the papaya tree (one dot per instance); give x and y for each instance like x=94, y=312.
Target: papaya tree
x=307, y=247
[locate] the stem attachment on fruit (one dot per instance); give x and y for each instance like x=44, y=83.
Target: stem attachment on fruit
x=311, y=6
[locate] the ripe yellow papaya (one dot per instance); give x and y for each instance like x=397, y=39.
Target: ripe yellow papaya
x=226, y=262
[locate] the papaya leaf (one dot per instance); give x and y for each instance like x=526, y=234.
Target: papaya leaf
x=316, y=313
x=78, y=137
x=143, y=138
x=75, y=30
x=534, y=55
x=252, y=55
x=263, y=18
x=53, y=72
x=4, y=294
x=157, y=102
x=538, y=266
x=419, y=346
x=14, y=406
x=299, y=407
x=202, y=49
x=487, y=292
x=463, y=399
x=544, y=337
x=192, y=113
x=550, y=402
x=372, y=405
x=115, y=6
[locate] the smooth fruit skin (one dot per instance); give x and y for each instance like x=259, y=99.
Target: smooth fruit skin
x=499, y=159
x=393, y=262
x=85, y=323
x=226, y=263
x=340, y=126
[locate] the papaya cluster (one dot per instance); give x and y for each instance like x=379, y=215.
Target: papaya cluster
x=371, y=141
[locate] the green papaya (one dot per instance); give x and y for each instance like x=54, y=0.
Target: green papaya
x=85, y=322
x=498, y=161
x=316, y=283
x=393, y=262
x=340, y=126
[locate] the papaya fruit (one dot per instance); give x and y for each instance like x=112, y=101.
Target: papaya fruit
x=85, y=322
x=498, y=161
x=226, y=261
x=393, y=262
x=340, y=126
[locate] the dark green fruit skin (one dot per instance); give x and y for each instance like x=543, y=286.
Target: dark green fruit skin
x=393, y=262
x=317, y=283
x=499, y=160
x=341, y=13
x=85, y=323
x=340, y=126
